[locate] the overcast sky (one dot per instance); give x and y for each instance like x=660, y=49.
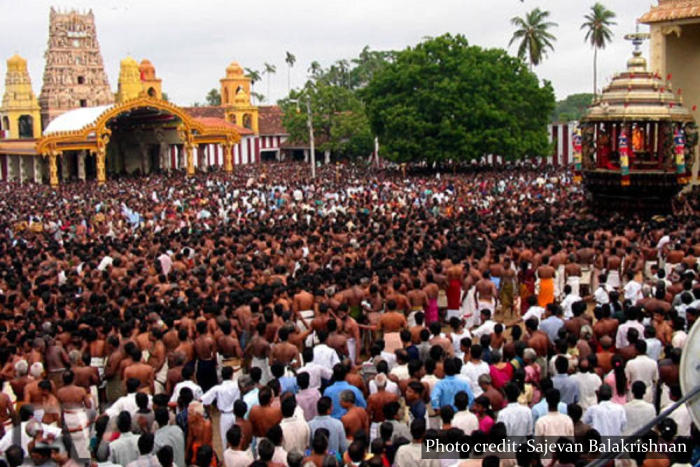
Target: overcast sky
x=191, y=42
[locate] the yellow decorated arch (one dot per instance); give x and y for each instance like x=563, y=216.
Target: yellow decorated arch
x=95, y=135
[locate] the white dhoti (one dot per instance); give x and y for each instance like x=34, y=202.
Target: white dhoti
x=226, y=421
x=487, y=305
x=352, y=349
x=264, y=366
x=411, y=318
x=575, y=283
x=161, y=378
x=586, y=275
x=468, y=312
x=307, y=315
x=613, y=279
x=99, y=363
x=453, y=314
x=559, y=282
x=77, y=424
x=668, y=267
x=647, y=268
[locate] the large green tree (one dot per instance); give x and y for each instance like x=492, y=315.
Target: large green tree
x=338, y=117
x=598, y=33
x=534, y=36
x=447, y=100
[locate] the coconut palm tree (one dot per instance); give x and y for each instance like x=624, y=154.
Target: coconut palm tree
x=314, y=68
x=270, y=69
x=532, y=32
x=598, y=33
x=290, y=59
x=254, y=76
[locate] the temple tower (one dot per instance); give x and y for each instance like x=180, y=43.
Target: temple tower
x=151, y=83
x=19, y=114
x=74, y=74
x=235, y=98
x=129, y=86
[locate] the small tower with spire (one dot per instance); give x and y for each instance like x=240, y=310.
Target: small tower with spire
x=20, y=114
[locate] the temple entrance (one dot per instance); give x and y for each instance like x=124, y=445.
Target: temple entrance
x=135, y=143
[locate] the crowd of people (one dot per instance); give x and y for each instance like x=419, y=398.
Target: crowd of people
x=266, y=319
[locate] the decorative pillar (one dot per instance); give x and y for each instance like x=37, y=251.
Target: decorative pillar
x=81, y=165
x=100, y=163
x=53, y=169
x=189, y=154
x=228, y=158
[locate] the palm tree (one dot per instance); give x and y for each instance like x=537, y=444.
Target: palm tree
x=534, y=36
x=598, y=33
x=290, y=59
x=269, y=70
x=254, y=78
x=314, y=68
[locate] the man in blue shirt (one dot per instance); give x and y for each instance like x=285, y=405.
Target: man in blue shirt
x=568, y=388
x=445, y=390
x=553, y=323
x=336, y=432
x=339, y=385
x=541, y=409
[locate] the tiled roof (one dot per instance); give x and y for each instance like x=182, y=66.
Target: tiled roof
x=220, y=122
x=207, y=111
x=270, y=120
x=672, y=10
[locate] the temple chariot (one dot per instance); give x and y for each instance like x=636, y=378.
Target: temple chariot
x=634, y=149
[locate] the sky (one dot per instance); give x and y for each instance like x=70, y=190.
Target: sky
x=192, y=42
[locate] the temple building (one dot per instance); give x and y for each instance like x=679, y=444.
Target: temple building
x=79, y=129
x=74, y=74
x=675, y=50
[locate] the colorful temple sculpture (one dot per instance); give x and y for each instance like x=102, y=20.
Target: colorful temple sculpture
x=79, y=129
x=637, y=140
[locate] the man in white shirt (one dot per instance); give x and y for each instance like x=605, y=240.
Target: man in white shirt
x=463, y=418
x=410, y=455
x=187, y=382
x=533, y=310
x=601, y=293
x=638, y=411
x=644, y=369
x=145, y=458
x=324, y=355
x=569, y=299
x=633, y=313
x=225, y=395
x=588, y=383
x=316, y=372
x=127, y=403
x=233, y=456
x=554, y=423
x=487, y=324
x=516, y=417
x=607, y=417
x=295, y=431
x=475, y=368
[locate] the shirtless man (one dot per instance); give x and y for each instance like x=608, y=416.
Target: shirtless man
x=141, y=371
x=392, y=320
x=205, y=351
x=353, y=296
x=336, y=340
x=586, y=258
x=283, y=352
x=613, y=266
x=74, y=401
x=303, y=306
x=418, y=299
x=348, y=327
x=486, y=293
x=545, y=275
x=257, y=351
x=56, y=362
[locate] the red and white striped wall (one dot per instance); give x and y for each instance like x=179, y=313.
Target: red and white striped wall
x=561, y=135
x=247, y=151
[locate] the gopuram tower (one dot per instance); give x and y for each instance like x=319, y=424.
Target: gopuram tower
x=74, y=74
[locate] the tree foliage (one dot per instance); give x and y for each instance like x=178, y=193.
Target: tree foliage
x=213, y=97
x=598, y=33
x=339, y=118
x=446, y=100
x=572, y=108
